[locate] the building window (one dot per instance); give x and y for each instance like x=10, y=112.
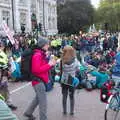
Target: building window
x=22, y=2
x=53, y=23
x=5, y=1
x=23, y=18
x=6, y=16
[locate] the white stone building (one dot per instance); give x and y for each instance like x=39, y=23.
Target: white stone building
x=19, y=12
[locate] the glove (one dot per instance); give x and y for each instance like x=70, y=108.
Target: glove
x=75, y=82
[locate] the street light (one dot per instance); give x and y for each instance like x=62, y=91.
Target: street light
x=13, y=21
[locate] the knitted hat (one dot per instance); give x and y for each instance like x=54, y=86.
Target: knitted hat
x=42, y=42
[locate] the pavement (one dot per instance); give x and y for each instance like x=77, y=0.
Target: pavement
x=87, y=104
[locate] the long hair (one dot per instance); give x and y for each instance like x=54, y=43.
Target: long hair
x=68, y=54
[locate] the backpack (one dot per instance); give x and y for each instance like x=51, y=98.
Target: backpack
x=26, y=64
x=26, y=69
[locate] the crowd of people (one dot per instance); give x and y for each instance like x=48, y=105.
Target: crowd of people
x=71, y=53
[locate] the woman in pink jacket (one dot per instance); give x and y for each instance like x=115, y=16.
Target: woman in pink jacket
x=40, y=69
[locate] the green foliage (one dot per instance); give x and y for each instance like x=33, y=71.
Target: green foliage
x=74, y=16
x=109, y=12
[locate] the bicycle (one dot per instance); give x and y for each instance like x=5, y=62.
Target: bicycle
x=112, y=111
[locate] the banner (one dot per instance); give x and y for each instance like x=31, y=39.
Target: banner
x=8, y=32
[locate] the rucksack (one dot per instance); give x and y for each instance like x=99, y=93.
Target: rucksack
x=26, y=64
x=26, y=69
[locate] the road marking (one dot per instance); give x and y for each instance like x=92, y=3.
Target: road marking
x=13, y=91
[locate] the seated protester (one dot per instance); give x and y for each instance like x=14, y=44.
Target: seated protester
x=88, y=58
x=116, y=68
x=101, y=75
x=16, y=51
x=110, y=57
x=117, y=57
x=112, y=53
x=95, y=61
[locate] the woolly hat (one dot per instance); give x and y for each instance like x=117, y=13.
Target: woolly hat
x=42, y=42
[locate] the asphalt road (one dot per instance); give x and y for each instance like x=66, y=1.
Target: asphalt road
x=87, y=104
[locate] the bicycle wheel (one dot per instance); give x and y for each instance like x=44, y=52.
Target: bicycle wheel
x=113, y=108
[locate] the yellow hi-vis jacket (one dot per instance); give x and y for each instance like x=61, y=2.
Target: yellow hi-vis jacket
x=3, y=58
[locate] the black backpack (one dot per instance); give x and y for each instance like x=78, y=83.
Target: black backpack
x=26, y=64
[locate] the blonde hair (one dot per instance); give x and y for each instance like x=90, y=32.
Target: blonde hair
x=68, y=53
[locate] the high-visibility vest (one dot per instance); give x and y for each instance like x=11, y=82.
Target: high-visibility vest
x=54, y=43
x=59, y=42
x=3, y=58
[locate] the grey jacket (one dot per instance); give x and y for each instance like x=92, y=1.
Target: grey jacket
x=69, y=69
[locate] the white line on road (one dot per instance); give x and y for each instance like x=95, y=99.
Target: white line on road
x=13, y=91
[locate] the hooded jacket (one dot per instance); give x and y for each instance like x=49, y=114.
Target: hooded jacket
x=69, y=68
x=40, y=66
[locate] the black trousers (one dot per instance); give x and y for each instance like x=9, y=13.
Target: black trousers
x=66, y=89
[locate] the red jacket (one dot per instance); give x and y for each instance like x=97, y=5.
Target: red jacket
x=40, y=66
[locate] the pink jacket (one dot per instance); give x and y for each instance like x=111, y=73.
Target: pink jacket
x=40, y=66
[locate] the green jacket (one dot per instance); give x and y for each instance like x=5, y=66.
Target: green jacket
x=101, y=78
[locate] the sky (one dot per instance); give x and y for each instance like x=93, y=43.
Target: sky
x=95, y=2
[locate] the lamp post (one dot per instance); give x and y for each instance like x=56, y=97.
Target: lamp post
x=13, y=21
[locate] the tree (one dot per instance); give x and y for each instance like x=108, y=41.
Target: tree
x=74, y=15
x=109, y=12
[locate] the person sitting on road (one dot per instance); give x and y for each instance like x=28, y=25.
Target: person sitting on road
x=101, y=75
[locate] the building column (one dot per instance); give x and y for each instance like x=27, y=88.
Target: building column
x=1, y=15
x=10, y=22
x=29, y=26
x=17, y=16
x=46, y=16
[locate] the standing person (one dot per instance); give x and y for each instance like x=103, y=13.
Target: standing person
x=4, y=70
x=40, y=68
x=69, y=66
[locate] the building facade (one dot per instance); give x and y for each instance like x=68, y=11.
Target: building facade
x=30, y=14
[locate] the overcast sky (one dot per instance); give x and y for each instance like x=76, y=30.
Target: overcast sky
x=95, y=2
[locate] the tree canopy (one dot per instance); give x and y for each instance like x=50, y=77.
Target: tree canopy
x=74, y=15
x=109, y=13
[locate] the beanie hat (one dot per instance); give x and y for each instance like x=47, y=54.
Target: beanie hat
x=42, y=42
